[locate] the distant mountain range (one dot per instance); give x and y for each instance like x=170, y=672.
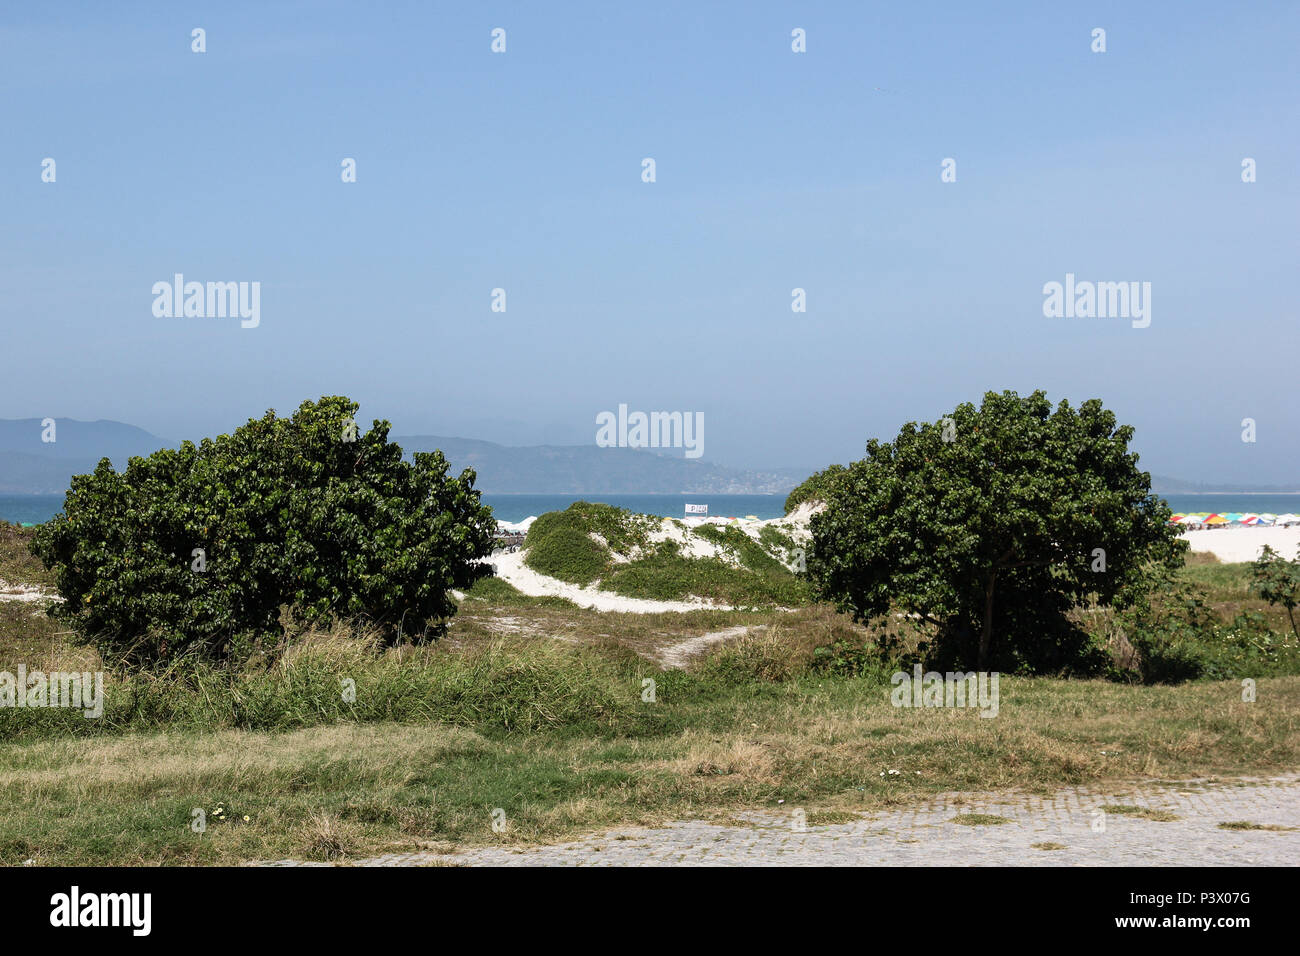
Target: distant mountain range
x=30, y=466
x=1176, y=486
x=588, y=469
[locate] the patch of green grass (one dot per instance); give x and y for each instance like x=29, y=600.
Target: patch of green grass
x=979, y=820
x=1247, y=825
x=1048, y=846
x=17, y=564
x=1226, y=588
x=1143, y=813
x=27, y=635
x=666, y=575
x=826, y=818
x=512, y=685
x=579, y=545
x=561, y=543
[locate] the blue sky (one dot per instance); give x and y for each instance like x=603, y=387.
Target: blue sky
x=775, y=170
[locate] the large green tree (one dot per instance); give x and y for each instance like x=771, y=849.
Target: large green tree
x=196, y=549
x=990, y=524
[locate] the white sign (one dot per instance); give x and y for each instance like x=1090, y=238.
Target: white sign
x=697, y=509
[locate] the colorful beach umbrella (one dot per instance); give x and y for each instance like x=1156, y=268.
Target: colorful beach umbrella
x=1215, y=520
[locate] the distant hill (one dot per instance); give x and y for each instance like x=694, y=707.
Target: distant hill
x=589, y=469
x=29, y=465
x=1162, y=485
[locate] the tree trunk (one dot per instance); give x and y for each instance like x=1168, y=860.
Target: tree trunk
x=986, y=632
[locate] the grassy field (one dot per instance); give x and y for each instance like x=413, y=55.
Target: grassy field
x=703, y=749
x=540, y=709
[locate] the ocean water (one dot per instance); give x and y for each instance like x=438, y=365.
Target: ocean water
x=37, y=508
x=519, y=507
x=21, y=509
x=29, y=509
x=1245, y=504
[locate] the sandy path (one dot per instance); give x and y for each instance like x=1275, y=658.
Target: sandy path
x=25, y=593
x=511, y=569
x=1243, y=544
x=679, y=655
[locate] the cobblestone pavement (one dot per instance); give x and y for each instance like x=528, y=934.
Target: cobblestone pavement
x=925, y=835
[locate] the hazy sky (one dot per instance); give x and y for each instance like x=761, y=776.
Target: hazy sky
x=775, y=170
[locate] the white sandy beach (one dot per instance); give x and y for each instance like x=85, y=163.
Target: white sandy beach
x=1232, y=545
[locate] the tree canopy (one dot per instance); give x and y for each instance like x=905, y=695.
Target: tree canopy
x=990, y=524
x=197, y=549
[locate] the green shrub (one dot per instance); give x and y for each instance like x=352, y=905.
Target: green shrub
x=992, y=524
x=817, y=487
x=854, y=656
x=559, y=544
x=194, y=551
x=1277, y=581
x=1179, y=638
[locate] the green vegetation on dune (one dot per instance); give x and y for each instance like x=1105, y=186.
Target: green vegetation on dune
x=559, y=545
x=583, y=544
x=748, y=552
x=816, y=487
x=564, y=545
x=665, y=575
